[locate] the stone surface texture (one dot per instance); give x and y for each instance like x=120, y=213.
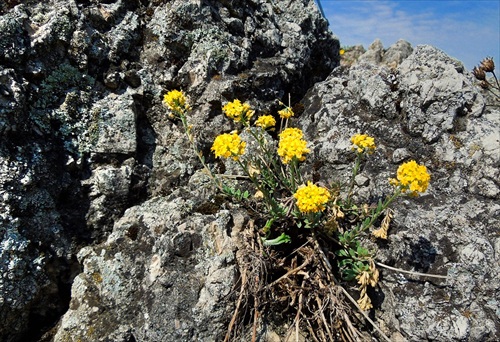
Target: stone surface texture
x=109, y=229
x=430, y=110
x=92, y=170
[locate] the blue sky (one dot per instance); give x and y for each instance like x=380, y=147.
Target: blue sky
x=466, y=30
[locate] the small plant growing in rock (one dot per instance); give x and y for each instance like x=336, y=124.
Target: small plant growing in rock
x=318, y=224
x=480, y=72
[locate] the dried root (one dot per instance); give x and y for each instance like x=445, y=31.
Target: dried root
x=299, y=286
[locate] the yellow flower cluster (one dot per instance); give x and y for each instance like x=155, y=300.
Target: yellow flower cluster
x=413, y=177
x=228, y=146
x=265, y=121
x=311, y=198
x=176, y=101
x=363, y=143
x=291, y=145
x=286, y=113
x=238, y=111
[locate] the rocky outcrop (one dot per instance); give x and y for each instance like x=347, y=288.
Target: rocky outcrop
x=110, y=228
x=84, y=137
x=428, y=109
x=376, y=54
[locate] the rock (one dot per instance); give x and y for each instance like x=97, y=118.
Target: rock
x=397, y=53
x=351, y=55
x=111, y=230
x=116, y=121
x=85, y=137
x=13, y=42
x=445, y=97
x=12, y=99
x=163, y=274
x=374, y=53
x=436, y=116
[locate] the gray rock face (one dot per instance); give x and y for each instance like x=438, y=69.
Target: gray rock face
x=109, y=227
x=450, y=230
x=397, y=52
x=84, y=137
x=164, y=274
x=374, y=53
x=392, y=57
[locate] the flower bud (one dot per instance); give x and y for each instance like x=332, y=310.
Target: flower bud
x=484, y=84
x=479, y=73
x=487, y=64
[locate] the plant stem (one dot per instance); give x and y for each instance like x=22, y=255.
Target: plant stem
x=270, y=201
x=496, y=80
x=363, y=227
x=275, y=170
x=377, y=214
x=190, y=137
x=410, y=272
x=354, y=174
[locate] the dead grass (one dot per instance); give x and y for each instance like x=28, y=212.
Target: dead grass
x=294, y=286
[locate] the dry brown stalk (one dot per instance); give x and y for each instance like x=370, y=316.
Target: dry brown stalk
x=289, y=273
x=238, y=303
x=323, y=318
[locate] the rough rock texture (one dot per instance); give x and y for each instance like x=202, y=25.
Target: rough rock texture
x=84, y=137
x=430, y=110
x=107, y=219
x=165, y=274
x=376, y=54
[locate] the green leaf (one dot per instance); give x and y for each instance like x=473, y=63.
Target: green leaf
x=283, y=238
x=362, y=251
x=342, y=253
x=379, y=206
x=349, y=275
x=360, y=265
x=346, y=263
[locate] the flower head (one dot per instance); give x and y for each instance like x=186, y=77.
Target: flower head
x=479, y=73
x=238, y=111
x=412, y=177
x=291, y=145
x=363, y=143
x=487, y=64
x=176, y=101
x=286, y=113
x=311, y=198
x=265, y=121
x=228, y=146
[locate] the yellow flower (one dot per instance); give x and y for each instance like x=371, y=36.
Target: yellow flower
x=238, y=111
x=176, y=101
x=265, y=121
x=286, y=113
x=291, y=145
x=311, y=198
x=228, y=146
x=341, y=52
x=363, y=143
x=291, y=132
x=412, y=177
